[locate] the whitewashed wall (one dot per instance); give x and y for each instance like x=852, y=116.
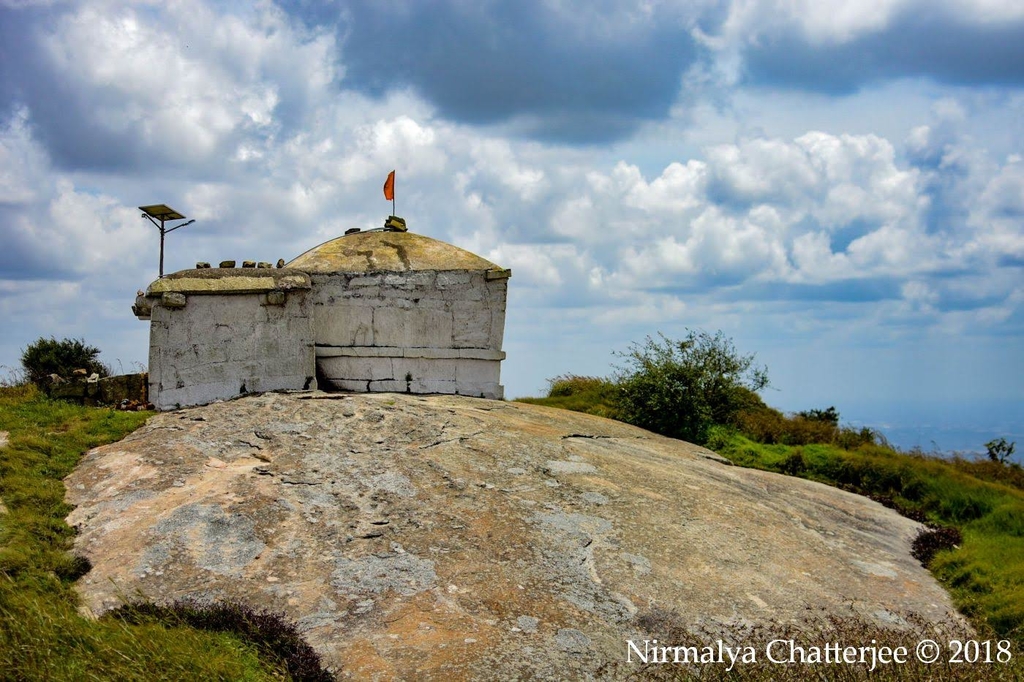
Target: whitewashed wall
x=422, y=331
x=207, y=347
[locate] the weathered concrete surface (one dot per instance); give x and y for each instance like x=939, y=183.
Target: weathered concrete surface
x=215, y=346
x=387, y=251
x=377, y=295
x=227, y=280
x=429, y=537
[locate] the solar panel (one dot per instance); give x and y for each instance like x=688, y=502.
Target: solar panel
x=161, y=212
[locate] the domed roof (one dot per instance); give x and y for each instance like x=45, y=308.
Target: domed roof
x=387, y=251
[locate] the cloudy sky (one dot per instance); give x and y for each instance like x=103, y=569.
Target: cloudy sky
x=838, y=186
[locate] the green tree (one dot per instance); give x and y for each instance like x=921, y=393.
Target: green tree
x=50, y=356
x=999, y=450
x=683, y=388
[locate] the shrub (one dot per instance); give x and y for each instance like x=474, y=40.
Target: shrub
x=763, y=425
x=769, y=426
x=829, y=416
x=931, y=541
x=50, y=356
x=794, y=464
x=1011, y=473
x=850, y=439
x=683, y=388
x=591, y=395
x=567, y=385
x=999, y=450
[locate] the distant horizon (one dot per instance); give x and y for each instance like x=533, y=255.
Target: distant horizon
x=943, y=429
x=936, y=428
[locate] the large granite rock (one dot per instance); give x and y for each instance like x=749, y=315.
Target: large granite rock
x=429, y=536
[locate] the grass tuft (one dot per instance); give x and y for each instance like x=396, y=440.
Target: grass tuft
x=273, y=635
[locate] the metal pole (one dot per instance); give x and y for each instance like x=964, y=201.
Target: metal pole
x=161, y=248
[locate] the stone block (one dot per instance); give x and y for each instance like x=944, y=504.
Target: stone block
x=424, y=368
x=478, y=371
x=416, y=279
x=464, y=293
x=363, y=281
x=414, y=328
x=390, y=386
x=358, y=369
x=344, y=326
x=492, y=391
x=433, y=386
x=112, y=390
x=497, y=338
x=358, y=352
x=498, y=274
x=172, y=299
x=471, y=327
x=435, y=353
x=453, y=278
x=347, y=385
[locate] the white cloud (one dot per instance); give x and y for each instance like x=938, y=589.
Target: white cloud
x=839, y=21
x=23, y=161
x=189, y=83
x=698, y=220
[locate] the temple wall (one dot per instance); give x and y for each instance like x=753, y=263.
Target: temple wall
x=207, y=347
x=424, y=331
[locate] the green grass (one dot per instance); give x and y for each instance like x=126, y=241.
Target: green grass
x=42, y=634
x=591, y=395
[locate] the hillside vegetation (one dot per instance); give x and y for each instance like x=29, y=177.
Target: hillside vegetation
x=974, y=508
x=42, y=634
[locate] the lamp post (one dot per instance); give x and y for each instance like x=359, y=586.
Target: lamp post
x=162, y=213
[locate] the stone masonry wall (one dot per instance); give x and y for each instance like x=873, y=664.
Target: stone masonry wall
x=421, y=332
x=213, y=347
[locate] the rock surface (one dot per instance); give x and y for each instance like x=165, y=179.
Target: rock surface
x=430, y=536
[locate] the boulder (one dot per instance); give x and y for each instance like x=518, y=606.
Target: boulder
x=444, y=536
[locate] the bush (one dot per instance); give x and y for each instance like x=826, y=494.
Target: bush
x=683, y=388
x=829, y=416
x=766, y=425
x=931, y=541
x=592, y=395
x=50, y=356
x=999, y=450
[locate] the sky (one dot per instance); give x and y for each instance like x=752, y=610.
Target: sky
x=837, y=186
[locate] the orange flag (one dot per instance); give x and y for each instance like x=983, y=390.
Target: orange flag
x=389, y=187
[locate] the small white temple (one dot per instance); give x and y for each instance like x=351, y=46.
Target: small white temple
x=371, y=311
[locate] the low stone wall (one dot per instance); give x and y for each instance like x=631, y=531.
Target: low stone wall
x=127, y=390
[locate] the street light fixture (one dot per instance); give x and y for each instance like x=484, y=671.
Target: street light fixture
x=162, y=213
